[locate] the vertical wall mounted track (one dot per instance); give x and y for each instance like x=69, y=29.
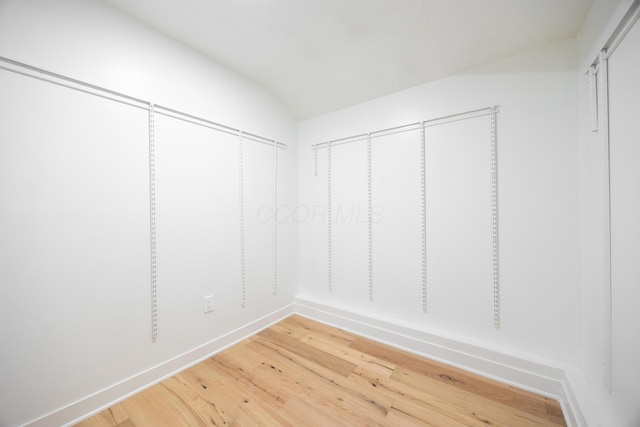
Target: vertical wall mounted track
x=243, y=276
x=329, y=218
x=369, y=217
x=607, y=323
x=315, y=160
x=423, y=215
x=152, y=222
x=494, y=220
x=275, y=218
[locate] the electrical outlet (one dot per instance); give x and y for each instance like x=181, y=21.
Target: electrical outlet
x=208, y=304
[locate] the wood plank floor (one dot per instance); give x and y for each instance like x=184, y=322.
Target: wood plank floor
x=303, y=373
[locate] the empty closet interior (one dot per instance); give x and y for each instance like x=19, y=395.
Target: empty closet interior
x=157, y=207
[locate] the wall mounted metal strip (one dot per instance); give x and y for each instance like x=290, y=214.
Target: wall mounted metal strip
x=370, y=219
x=152, y=222
x=315, y=160
x=275, y=218
x=423, y=216
x=243, y=275
x=69, y=82
x=599, y=81
x=593, y=92
x=619, y=33
x=406, y=128
x=75, y=84
x=329, y=219
x=190, y=118
x=494, y=219
x=606, y=223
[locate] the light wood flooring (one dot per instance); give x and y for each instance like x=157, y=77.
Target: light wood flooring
x=303, y=373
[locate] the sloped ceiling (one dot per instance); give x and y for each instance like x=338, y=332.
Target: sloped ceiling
x=319, y=56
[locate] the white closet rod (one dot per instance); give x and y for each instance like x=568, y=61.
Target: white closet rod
x=409, y=127
x=82, y=86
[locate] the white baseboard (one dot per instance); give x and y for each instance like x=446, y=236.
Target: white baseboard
x=540, y=378
x=103, y=399
x=527, y=374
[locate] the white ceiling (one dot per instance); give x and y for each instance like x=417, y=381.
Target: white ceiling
x=319, y=56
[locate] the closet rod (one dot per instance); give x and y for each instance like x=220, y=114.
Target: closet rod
x=130, y=100
x=408, y=127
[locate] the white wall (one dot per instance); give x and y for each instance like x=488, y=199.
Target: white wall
x=74, y=226
x=538, y=207
x=624, y=92
x=620, y=407
x=74, y=314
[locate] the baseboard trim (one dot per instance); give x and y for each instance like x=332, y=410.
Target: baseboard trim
x=103, y=399
x=531, y=375
x=551, y=381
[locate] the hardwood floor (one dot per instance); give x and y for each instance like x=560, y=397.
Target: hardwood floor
x=303, y=373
